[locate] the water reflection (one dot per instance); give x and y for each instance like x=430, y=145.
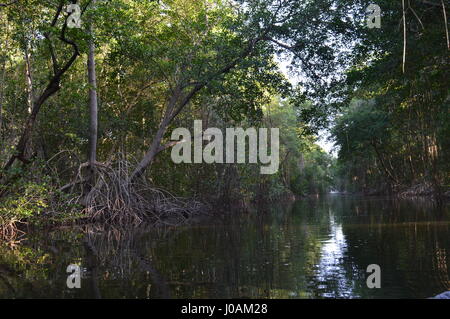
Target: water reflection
x=330, y=270
x=318, y=248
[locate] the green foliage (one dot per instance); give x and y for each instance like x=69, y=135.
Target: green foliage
x=391, y=128
x=315, y=174
x=31, y=202
x=394, y=132
x=33, y=194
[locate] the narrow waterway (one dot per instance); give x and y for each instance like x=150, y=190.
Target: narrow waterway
x=313, y=248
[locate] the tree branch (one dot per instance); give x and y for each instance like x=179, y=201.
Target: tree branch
x=446, y=24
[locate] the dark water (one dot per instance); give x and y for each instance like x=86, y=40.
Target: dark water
x=317, y=248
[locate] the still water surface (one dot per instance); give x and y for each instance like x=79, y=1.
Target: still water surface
x=313, y=248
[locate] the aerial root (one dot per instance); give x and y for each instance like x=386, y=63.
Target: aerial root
x=117, y=200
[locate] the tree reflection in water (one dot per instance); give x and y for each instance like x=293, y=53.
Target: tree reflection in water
x=317, y=248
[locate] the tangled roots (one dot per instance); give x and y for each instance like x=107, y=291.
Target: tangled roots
x=117, y=200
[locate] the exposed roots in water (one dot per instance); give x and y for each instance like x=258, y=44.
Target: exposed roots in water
x=114, y=199
x=107, y=196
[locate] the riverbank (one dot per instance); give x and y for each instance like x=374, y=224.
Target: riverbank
x=415, y=190
x=52, y=210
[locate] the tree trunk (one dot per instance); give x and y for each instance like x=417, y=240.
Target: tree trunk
x=2, y=85
x=93, y=106
x=148, y=158
x=156, y=142
x=3, y=59
x=29, y=78
x=22, y=145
